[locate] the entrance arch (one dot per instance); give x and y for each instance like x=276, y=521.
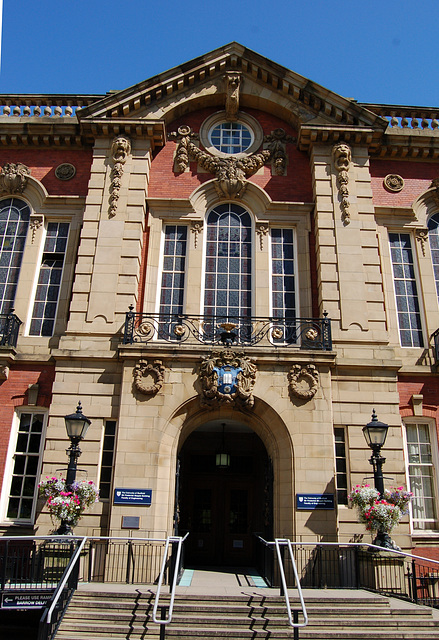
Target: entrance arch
x=222, y=508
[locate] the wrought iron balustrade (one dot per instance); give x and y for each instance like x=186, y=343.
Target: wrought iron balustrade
x=9, y=326
x=306, y=333
x=435, y=337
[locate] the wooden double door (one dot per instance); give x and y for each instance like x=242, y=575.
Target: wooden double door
x=222, y=508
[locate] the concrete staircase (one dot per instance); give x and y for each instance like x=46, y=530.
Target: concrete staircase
x=342, y=615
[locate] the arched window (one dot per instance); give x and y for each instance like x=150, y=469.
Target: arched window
x=14, y=223
x=227, y=290
x=433, y=235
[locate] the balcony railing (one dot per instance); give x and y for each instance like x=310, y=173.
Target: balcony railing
x=9, y=326
x=306, y=333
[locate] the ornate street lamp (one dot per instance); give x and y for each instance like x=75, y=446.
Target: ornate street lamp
x=76, y=426
x=375, y=433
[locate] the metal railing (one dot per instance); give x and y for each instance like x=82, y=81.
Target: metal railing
x=116, y=560
x=29, y=562
x=435, y=337
x=307, y=333
x=57, y=605
x=9, y=326
x=357, y=566
x=178, y=542
x=282, y=542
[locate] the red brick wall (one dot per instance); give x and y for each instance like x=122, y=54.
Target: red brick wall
x=13, y=393
x=428, y=387
x=296, y=186
x=43, y=162
x=417, y=179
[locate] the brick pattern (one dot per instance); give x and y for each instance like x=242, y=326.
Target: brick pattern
x=43, y=162
x=417, y=178
x=13, y=394
x=296, y=186
x=428, y=387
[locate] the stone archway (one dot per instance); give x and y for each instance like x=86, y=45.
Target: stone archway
x=272, y=453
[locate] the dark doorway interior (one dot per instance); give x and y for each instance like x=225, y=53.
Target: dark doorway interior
x=223, y=507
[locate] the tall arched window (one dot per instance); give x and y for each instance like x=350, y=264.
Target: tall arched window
x=14, y=223
x=433, y=235
x=227, y=289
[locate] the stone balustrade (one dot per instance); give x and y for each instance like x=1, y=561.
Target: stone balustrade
x=407, y=117
x=37, y=106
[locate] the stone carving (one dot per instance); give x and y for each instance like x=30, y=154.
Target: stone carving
x=231, y=173
x=233, y=84
x=196, y=228
x=276, y=145
x=304, y=381
x=227, y=378
x=35, y=223
x=261, y=230
x=4, y=372
x=435, y=193
x=143, y=370
x=65, y=171
x=341, y=154
x=120, y=150
x=422, y=236
x=393, y=182
x=13, y=178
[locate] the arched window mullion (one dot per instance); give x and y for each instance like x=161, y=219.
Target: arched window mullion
x=14, y=224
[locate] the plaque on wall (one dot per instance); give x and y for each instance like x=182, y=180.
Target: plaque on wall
x=312, y=501
x=132, y=497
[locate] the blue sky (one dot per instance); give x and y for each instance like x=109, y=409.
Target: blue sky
x=372, y=51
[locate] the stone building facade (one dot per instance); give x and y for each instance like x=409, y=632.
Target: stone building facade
x=224, y=259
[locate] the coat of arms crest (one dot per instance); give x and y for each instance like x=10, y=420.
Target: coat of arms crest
x=227, y=377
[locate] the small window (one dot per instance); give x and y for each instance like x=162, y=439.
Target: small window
x=231, y=137
x=422, y=472
x=49, y=280
x=107, y=459
x=174, y=270
x=283, y=274
x=341, y=476
x=406, y=291
x=23, y=488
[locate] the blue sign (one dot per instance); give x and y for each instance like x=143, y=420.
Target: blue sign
x=311, y=501
x=34, y=600
x=132, y=497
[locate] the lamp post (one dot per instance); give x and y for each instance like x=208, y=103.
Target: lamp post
x=76, y=426
x=375, y=433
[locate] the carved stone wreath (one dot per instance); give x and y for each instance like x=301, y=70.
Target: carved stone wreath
x=241, y=392
x=304, y=381
x=65, y=171
x=143, y=370
x=393, y=182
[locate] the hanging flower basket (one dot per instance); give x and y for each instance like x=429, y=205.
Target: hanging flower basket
x=68, y=506
x=380, y=514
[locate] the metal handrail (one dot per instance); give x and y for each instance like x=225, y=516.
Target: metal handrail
x=285, y=542
x=169, y=540
x=59, y=589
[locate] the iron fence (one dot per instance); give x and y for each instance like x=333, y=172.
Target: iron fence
x=9, y=326
x=356, y=566
x=307, y=333
x=27, y=563
x=122, y=560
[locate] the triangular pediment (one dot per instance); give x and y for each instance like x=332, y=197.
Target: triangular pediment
x=265, y=85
